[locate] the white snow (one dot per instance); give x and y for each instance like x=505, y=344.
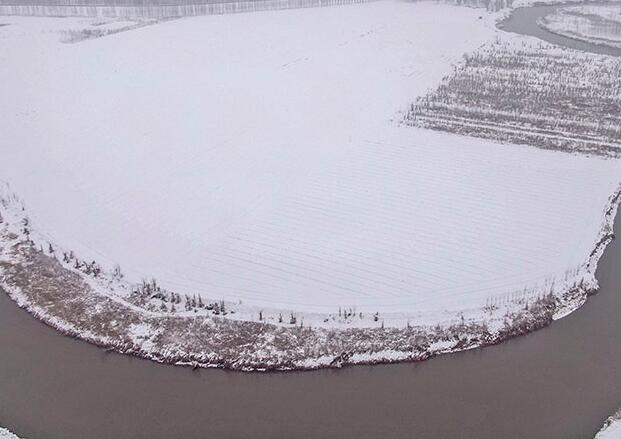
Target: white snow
x=612, y=432
x=611, y=428
x=6, y=434
x=258, y=158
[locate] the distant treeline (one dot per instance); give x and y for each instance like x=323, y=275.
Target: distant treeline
x=178, y=8
x=111, y=3
x=490, y=5
x=153, y=9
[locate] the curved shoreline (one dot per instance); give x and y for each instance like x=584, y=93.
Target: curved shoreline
x=339, y=360
x=582, y=40
x=524, y=21
x=544, y=23
x=60, y=298
x=558, y=383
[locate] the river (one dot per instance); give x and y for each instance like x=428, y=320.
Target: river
x=559, y=382
x=524, y=21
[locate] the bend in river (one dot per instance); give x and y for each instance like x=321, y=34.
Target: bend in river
x=559, y=382
x=524, y=21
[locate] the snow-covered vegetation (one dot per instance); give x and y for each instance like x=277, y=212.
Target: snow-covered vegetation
x=598, y=24
x=527, y=93
x=263, y=179
x=88, y=28
x=489, y=5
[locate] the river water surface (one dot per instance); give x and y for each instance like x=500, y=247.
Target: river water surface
x=559, y=382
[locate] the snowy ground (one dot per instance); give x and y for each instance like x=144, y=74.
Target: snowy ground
x=270, y=170
x=595, y=24
x=611, y=428
x=6, y=434
x=96, y=28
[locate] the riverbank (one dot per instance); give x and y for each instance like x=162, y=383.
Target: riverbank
x=63, y=300
x=6, y=434
x=66, y=300
x=526, y=21
x=611, y=428
x=599, y=24
x=558, y=383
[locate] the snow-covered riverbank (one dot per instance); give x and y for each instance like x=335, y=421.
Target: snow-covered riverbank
x=290, y=221
x=600, y=24
x=6, y=434
x=79, y=300
x=611, y=428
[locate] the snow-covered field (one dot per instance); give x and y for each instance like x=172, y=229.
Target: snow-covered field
x=257, y=158
x=599, y=24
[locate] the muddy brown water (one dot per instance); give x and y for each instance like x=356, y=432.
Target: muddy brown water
x=559, y=382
